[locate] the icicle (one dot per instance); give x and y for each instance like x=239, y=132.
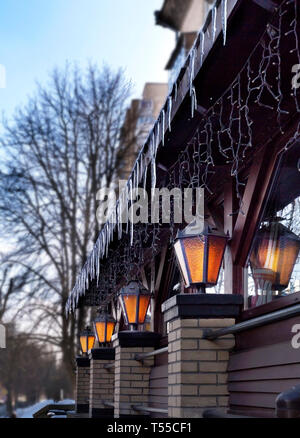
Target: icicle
x=126, y=204
x=193, y=102
x=137, y=172
x=202, y=39
x=163, y=122
x=157, y=139
x=176, y=91
x=142, y=167
x=214, y=23
x=153, y=161
x=98, y=262
x=224, y=20
x=131, y=221
x=169, y=112
x=192, y=69
x=134, y=177
x=106, y=239
x=119, y=219
x=93, y=264
x=145, y=177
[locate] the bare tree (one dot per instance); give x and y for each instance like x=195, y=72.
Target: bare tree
x=59, y=151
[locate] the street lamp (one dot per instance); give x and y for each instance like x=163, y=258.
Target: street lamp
x=275, y=252
x=104, y=326
x=134, y=300
x=199, y=255
x=87, y=340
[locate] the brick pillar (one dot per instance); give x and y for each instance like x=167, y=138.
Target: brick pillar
x=197, y=368
x=101, y=383
x=82, y=391
x=132, y=376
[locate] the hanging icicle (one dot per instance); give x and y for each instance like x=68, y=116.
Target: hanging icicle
x=154, y=145
x=131, y=218
x=137, y=172
x=193, y=102
x=214, y=23
x=192, y=88
x=163, y=123
x=192, y=68
x=169, y=112
x=176, y=91
x=202, y=40
x=224, y=20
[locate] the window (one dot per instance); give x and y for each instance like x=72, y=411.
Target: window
x=274, y=264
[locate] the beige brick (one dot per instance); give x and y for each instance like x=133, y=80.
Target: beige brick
x=213, y=366
x=172, y=379
x=191, y=333
x=189, y=389
x=223, y=355
x=188, y=344
x=189, y=366
x=172, y=357
x=172, y=336
x=213, y=390
x=189, y=323
x=198, y=378
x=175, y=346
x=216, y=323
x=174, y=412
x=198, y=401
x=198, y=355
x=219, y=344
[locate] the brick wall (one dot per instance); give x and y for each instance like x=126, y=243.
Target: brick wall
x=131, y=380
x=101, y=387
x=82, y=389
x=197, y=367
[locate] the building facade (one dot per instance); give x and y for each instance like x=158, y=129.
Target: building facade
x=230, y=126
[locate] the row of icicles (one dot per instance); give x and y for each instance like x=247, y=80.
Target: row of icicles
x=91, y=268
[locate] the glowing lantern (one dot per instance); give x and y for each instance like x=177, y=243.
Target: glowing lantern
x=200, y=255
x=275, y=252
x=134, y=299
x=87, y=340
x=104, y=326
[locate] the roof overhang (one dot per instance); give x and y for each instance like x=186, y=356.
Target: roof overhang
x=173, y=13
x=216, y=66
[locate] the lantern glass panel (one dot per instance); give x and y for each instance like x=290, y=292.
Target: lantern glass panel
x=100, y=330
x=109, y=331
x=130, y=303
x=143, y=307
x=83, y=343
x=182, y=262
x=194, y=253
x=216, y=248
x=91, y=342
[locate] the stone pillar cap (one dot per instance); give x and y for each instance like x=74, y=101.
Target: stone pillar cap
x=137, y=339
x=196, y=306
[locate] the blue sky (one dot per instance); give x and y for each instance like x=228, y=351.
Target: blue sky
x=38, y=35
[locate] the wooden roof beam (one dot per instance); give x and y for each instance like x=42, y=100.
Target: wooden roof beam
x=266, y=4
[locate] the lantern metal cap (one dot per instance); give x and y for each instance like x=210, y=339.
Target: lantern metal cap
x=197, y=228
x=276, y=222
x=134, y=287
x=104, y=317
x=87, y=332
